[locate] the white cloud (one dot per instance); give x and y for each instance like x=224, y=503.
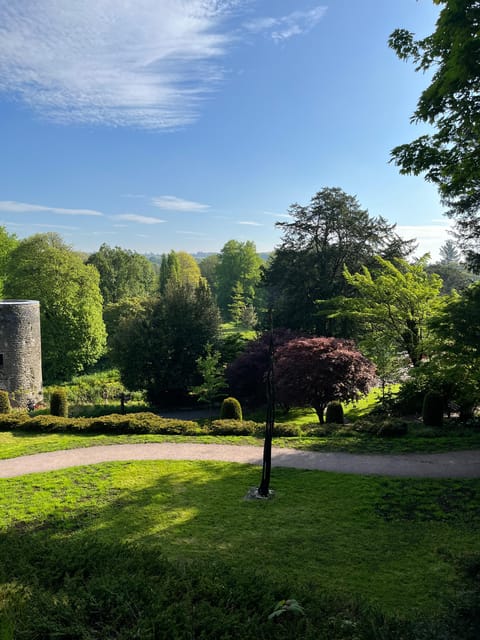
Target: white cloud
x=23, y=207
x=250, y=223
x=142, y=63
x=172, y=203
x=133, y=217
x=285, y=27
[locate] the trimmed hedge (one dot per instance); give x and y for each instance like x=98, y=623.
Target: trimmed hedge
x=234, y=428
x=113, y=424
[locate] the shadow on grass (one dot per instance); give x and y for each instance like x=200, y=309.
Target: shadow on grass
x=186, y=557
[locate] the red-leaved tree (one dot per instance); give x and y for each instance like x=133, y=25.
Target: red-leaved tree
x=311, y=372
x=246, y=376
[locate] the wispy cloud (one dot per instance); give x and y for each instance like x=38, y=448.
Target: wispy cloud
x=23, y=207
x=133, y=217
x=191, y=233
x=250, y=223
x=284, y=27
x=141, y=63
x=430, y=237
x=172, y=203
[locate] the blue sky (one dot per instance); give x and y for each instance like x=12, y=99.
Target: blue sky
x=180, y=124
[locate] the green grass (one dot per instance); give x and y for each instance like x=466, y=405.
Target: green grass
x=389, y=542
x=229, y=328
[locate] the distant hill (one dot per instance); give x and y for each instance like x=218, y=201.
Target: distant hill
x=156, y=258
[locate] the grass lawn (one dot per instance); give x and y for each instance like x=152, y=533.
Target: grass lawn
x=67, y=540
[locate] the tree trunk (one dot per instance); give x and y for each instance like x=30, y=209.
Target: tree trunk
x=320, y=411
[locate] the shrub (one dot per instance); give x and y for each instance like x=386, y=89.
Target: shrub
x=432, y=410
x=231, y=409
x=59, y=404
x=233, y=428
x=334, y=413
x=388, y=428
x=4, y=402
x=287, y=430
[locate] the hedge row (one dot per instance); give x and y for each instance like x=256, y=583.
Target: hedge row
x=145, y=423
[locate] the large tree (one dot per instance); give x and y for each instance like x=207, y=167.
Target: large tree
x=157, y=348
x=323, y=236
x=43, y=268
x=311, y=372
x=8, y=242
x=238, y=268
x=450, y=156
x=123, y=273
x=395, y=302
x=178, y=268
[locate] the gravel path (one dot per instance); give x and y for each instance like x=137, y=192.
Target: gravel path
x=458, y=464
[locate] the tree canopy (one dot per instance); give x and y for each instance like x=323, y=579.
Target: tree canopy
x=123, y=274
x=311, y=372
x=43, y=268
x=449, y=157
x=323, y=236
x=8, y=242
x=238, y=269
x=396, y=301
x=157, y=348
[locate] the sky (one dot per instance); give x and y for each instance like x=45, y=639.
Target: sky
x=155, y=125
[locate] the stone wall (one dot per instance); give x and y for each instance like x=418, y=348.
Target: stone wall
x=20, y=351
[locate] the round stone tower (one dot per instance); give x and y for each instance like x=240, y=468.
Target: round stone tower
x=20, y=351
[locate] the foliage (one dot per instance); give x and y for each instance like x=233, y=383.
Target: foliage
x=454, y=276
x=328, y=233
x=233, y=427
x=208, y=269
x=246, y=374
x=115, y=313
x=238, y=270
x=314, y=371
x=395, y=303
x=213, y=377
x=334, y=413
x=179, y=268
x=157, y=348
x=231, y=409
x=455, y=358
x=95, y=388
x=43, y=268
x=59, y=403
x=432, y=410
x=448, y=157
x=5, y=406
x=449, y=253
x=8, y=242
x=123, y=273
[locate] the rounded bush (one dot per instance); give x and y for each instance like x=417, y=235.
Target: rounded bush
x=334, y=413
x=432, y=411
x=5, y=406
x=231, y=409
x=59, y=404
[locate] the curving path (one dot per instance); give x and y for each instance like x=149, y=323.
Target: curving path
x=458, y=464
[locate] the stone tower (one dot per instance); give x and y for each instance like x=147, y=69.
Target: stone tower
x=20, y=351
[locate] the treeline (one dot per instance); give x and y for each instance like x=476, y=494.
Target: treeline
x=337, y=272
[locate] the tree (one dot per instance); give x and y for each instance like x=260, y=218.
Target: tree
x=396, y=302
x=123, y=274
x=179, y=267
x=449, y=253
x=157, y=349
x=311, y=372
x=323, y=236
x=451, y=104
x=246, y=374
x=43, y=268
x=8, y=242
x=453, y=366
x=213, y=376
x=238, y=266
x=208, y=269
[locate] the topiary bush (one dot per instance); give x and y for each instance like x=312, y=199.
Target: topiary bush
x=231, y=409
x=334, y=413
x=5, y=406
x=59, y=404
x=432, y=410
